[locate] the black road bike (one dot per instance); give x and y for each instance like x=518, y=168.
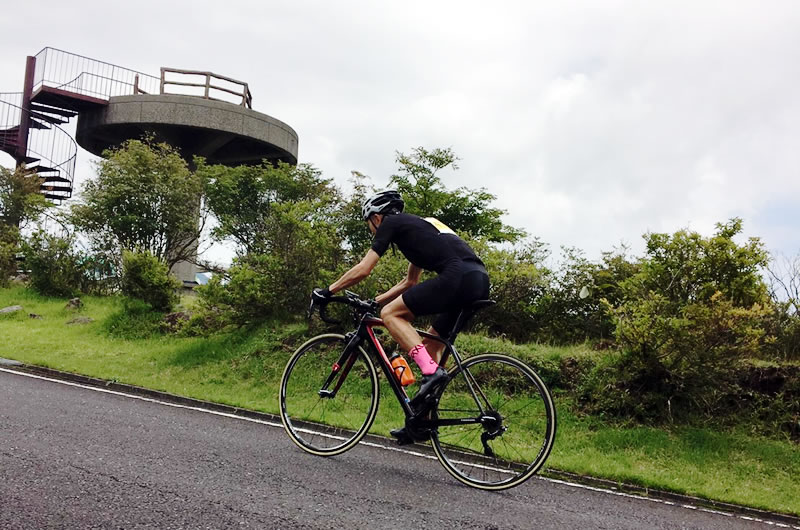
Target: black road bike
x=491, y=424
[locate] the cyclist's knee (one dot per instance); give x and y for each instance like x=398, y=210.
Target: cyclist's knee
x=396, y=309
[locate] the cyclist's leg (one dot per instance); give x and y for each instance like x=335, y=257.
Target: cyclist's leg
x=434, y=347
x=474, y=285
x=398, y=317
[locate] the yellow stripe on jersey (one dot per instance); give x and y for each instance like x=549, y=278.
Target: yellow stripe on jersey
x=440, y=226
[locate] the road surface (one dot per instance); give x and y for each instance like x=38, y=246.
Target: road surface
x=75, y=457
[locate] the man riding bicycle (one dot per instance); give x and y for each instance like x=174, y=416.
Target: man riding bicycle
x=428, y=244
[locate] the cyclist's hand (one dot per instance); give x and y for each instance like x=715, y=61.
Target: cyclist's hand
x=320, y=296
x=375, y=307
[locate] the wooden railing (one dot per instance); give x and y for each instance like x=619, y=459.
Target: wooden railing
x=241, y=92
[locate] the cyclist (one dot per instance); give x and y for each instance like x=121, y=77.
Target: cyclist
x=428, y=244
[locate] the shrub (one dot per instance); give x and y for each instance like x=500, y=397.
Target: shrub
x=518, y=280
x=696, y=308
x=146, y=278
x=9, y=244
x=303, y=253
x=56, y=269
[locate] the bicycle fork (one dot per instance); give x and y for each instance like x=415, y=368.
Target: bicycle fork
x=341, y=367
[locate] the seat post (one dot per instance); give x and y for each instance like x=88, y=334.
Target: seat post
x=465, y=315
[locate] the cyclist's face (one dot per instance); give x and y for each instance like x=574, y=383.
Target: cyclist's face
x=373, y=223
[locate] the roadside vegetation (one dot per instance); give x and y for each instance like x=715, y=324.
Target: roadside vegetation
x=677, y=369
x=242, y=368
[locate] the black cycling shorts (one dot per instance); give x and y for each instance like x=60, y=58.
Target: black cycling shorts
x=459, y=284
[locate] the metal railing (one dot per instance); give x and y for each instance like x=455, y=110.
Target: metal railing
x=90, y=77
x=12, y=110
x=238, y=89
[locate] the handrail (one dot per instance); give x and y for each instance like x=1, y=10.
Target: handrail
x=76, y=85
x=58, y=68
x=244, y=92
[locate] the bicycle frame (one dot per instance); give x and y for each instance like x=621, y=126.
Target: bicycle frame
x=365, y=333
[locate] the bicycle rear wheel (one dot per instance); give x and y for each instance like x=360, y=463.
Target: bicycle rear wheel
x=315, y=421
x=516, y=429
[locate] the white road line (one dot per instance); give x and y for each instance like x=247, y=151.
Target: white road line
x=397, y=449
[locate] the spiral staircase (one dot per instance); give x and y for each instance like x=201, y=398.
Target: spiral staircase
x=48, y=151
x=58, y=86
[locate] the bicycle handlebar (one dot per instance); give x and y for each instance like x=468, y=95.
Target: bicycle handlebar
x=349, y=298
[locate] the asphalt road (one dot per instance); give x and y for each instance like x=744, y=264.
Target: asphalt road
x=73, y=457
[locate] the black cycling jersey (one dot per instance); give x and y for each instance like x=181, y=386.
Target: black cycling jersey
x=427, y=243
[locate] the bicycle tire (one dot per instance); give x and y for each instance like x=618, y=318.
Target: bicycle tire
x=521, y=409
x=327, y=426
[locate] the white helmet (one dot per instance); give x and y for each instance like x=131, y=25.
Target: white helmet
x=381, y=202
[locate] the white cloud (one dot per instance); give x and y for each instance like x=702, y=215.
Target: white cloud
x=592, y=122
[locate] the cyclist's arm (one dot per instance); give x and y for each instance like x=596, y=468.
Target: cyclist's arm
x=411, y=279
x=360, y=271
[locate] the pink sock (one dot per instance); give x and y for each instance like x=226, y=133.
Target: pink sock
x=423, y=359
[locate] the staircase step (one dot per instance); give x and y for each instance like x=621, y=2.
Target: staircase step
x=54, y=197
x=55, y=188
x=10, y=149
x=44, y=169
x=55, y=120
x=54, y=179
x=38, y=107
x=35, y=124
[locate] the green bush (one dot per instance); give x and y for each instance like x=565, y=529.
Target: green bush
x=9, y=245
x=56, y=268
x=694, y=311
x=518, y=280
x=301, y=254
x=146, y=278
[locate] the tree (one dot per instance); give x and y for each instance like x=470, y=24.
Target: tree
x=20, y=202
x=462, y=209
x=284, y=222
x=243, y=198
x=144, y=198
x=20, y=199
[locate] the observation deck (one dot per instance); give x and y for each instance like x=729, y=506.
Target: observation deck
x=199, y=113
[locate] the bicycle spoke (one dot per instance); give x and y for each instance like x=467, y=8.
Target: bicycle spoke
x=515, y=433
x=332, y=424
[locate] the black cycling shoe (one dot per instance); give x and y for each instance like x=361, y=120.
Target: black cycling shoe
x=406, y=436
x=402, y=436
x=428, y=385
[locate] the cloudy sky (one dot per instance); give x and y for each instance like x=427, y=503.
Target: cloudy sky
x=592, y=122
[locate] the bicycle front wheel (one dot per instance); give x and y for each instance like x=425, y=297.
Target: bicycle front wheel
x=328, y=423
x=513, y=434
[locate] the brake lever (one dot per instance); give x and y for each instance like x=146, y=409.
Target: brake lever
x=310, y=312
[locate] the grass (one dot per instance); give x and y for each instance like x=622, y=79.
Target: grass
x=243, y=369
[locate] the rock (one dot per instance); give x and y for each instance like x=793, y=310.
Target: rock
x=20, y=279
x=75, y=303
x=81, y=320
x=34, y=315
x=11, y=309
